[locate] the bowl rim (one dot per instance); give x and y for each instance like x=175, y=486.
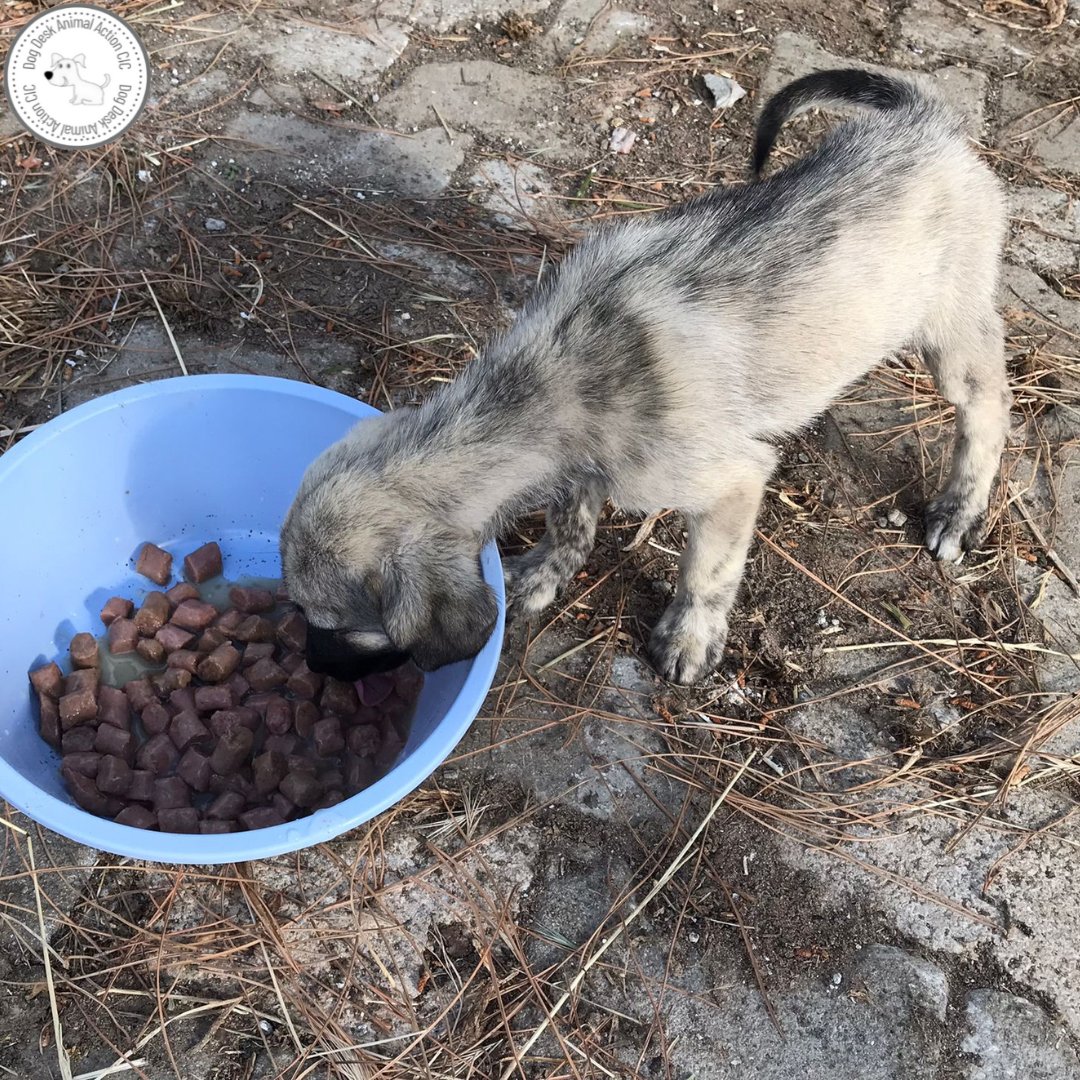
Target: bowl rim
x=85, y=828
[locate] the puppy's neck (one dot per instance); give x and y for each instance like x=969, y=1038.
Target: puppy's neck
x=481, y=451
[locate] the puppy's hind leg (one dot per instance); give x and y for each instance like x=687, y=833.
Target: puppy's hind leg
x=533, y=579
x=969, y=369
x=688, y=642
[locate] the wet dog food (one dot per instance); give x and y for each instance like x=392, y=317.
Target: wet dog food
x=225, y=728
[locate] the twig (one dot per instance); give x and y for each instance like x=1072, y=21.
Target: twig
x=338, y=229
x=445, y=125
x=1051, y=554
x=606, y=943
x=165, y=323
x=58, y=1031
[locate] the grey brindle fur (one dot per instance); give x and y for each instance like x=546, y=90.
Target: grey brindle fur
x=660, y=367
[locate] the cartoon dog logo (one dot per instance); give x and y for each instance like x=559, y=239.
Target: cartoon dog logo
x=71, y=71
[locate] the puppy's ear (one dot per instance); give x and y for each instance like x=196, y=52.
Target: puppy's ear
x=80, y=60
x=436, y=606
x=56, y=58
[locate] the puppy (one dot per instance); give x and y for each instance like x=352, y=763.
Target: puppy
x=660, y=367
x=71, y=72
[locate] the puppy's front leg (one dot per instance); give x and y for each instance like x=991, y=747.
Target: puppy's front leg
x=688, y=641
x=533, y=579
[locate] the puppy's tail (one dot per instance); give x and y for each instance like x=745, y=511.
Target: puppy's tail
x=843, y=86
x=108, y=79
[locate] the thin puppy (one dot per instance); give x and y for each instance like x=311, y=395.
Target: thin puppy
x=659, y=368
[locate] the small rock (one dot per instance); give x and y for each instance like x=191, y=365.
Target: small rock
x=882, y=522
x=897, y=517
x=214, y=224
x=622, y=140
x=725, y=92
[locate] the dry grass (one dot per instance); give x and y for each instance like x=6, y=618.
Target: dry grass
x=324, y=964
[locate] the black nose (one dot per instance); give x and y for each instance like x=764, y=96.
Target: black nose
x=48, y=74
x=328, y=653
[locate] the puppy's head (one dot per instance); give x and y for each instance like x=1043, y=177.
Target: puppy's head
x=380, y=575
x=64, y=69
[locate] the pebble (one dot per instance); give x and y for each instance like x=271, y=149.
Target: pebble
x=897, y=517
x=214, y=224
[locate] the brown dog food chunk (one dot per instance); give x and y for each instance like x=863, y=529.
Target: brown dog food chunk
x=261, y=817
x=213, y=828
x=331, y=798
x=186, y=729
x=142, y=785
x=138, y=817
x=116, y=741
x=139, y=693
x=153, y=614
x=254, y=628
x=154, y=563
x=203, y=564
x=157, y=755
x=265, y=675
x=328, y=737
x=304, y=683
x=156, y=718
x=239, y=716
x=174, y=637
x=226, y=806
x=151, y=650
x=122, y=636
x=48, y=679
x=301, y=788
x=292, y=662
x=84, y=651
x=85, y=793
x=278, y=716
x=282, y=805
x=183, y=700
x=169, y=680
x=182, y=591
x=194, y=615
x=257, y=650
x=363, y=740
x=87, y=762
x=185, y=659
x=305, y=716
x=251, y=600
x=292, y=631
x=83, y=679
x=281, y=744
x=77, y=708
x=359, y=773
x=232, y=750
x=209, y=640
x=114, y=776
x=239, y=686
x=49, y=721
x=219, y=665
x=267, y=771
x=78, y=739
x=229, y=620
x=338, y=698
x=116, y=607
x=212, y=698
x=113, y=707
x=171, y=792
x=194, y=769
x=180, y=819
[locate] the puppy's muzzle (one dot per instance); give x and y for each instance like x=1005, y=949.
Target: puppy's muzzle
x=328, y=653
x=48, y=76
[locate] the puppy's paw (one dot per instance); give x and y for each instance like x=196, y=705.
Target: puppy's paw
x=530, y=586
x=687, y=644
x=952, y=528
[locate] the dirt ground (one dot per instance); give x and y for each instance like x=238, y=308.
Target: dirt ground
x=849, y=854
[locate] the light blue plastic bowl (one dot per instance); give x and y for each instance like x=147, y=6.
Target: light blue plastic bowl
x=178, y=462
